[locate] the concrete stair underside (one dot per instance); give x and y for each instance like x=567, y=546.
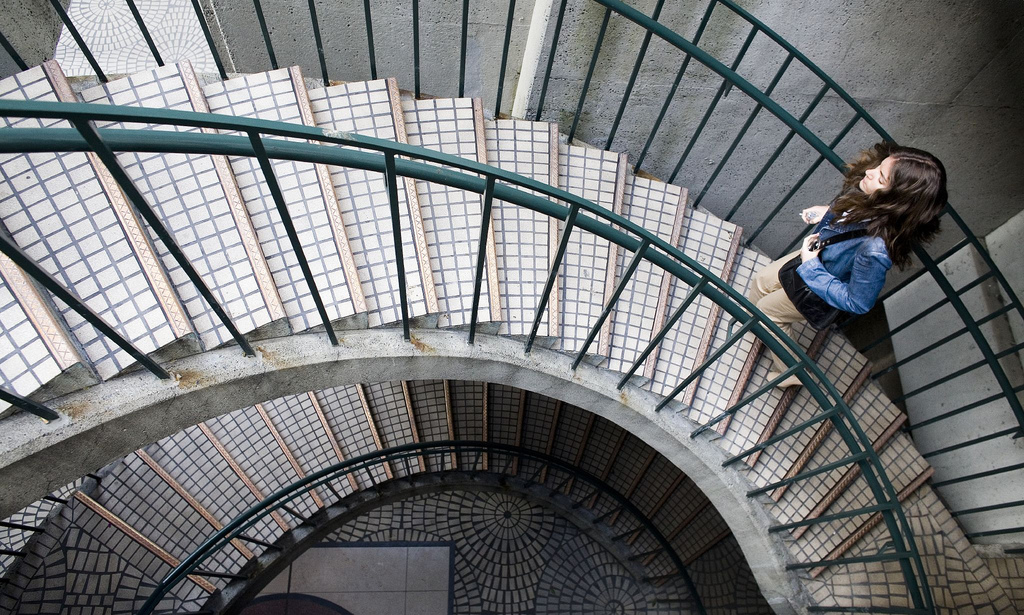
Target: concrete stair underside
x=221, y=209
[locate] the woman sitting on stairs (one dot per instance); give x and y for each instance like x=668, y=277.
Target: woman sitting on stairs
x=890, y=203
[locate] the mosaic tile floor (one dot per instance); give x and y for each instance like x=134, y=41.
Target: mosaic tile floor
x=507, y=555
x=115, y=39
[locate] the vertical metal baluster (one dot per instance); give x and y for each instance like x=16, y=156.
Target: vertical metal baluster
x=462, y=51
x=632, y=77
x=590, y=73
x=396, y=228
x=481, y=255
x=266, y=33
x=743, y=131
x=369, y=39
x=209, y=38
x=319, y=42
x=627, y=274
x=556, y=265
x=11, y=51
x=416, y=46
x=50, y=283
x=799, y=184
x=675, y=86
x=28, y=405
x=714, y=103
x=690, y=298
x=78, y=40
x=735, y=337
x=504, y=56
x=145, y=32
x=293, y=237
x=778, y=151
x=109, y=159
x=551, y=59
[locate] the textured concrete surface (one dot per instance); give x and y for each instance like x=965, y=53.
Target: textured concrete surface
x=117, y=417
x=32, y=28
x=345, y=43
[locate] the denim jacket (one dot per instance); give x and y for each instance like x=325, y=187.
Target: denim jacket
x=848, y=275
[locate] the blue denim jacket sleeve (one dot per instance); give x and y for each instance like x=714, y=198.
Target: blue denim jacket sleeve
x=867, y=276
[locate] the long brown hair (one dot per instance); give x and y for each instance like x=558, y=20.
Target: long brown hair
x=905, y=212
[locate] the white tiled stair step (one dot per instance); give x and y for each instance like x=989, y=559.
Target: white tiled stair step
x=392, y=417
x=280, y=95
x=905, y=468
x=192, y=460
x=543, y=419
x=251, y=443
x=587, y=278
x=306, y=436
x=432, y=409
x=36, y=351
x=712, y=243
x=525, y=240
x=759, y=419
x=716, y=387
x=67, y=214
x=137, y=495
x=452, y=217
x=641, y=309
x=92, y=534
x=373, y=108
x=350, y=422
x=841, y=364
x=880, y=420
x=198, y=201
x=504, y=414
x=467, y=399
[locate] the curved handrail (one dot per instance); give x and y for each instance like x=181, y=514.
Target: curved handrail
x=666, y=256
x=237, y=526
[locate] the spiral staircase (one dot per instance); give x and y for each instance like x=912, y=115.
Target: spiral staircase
x=143, y=515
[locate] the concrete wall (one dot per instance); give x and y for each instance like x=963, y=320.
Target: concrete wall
x=945, y=76
x=32, y=28
x=343, y=29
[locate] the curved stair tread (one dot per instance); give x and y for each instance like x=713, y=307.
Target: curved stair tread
x=197, y=200
x=114, y=269
x=374, y=108
x=308, y=191
x=452, y=217
x=525, y=241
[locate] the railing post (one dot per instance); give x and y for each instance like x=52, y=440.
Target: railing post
x=73, y=31
x=92, y=136
x=556, y=265
x=293, y=237
x=391, y=177
x=481, y=255
x=145, y=32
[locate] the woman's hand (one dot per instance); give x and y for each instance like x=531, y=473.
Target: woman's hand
x=813, y=215
x=806, y=252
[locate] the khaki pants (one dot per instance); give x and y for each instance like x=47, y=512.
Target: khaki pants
x=768, y=295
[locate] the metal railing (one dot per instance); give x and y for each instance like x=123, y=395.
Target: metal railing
x=395, y=160
x=503, y=460
x=731, y=80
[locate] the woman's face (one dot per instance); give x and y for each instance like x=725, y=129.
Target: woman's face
x=877, y=177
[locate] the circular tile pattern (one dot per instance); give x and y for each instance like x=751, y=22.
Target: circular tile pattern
x=512, y=555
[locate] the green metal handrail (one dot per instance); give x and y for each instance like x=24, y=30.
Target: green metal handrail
x=235, y=529
x=380, y=156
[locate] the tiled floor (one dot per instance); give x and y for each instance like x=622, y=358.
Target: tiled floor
x=115, y=39
x=365, y=579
